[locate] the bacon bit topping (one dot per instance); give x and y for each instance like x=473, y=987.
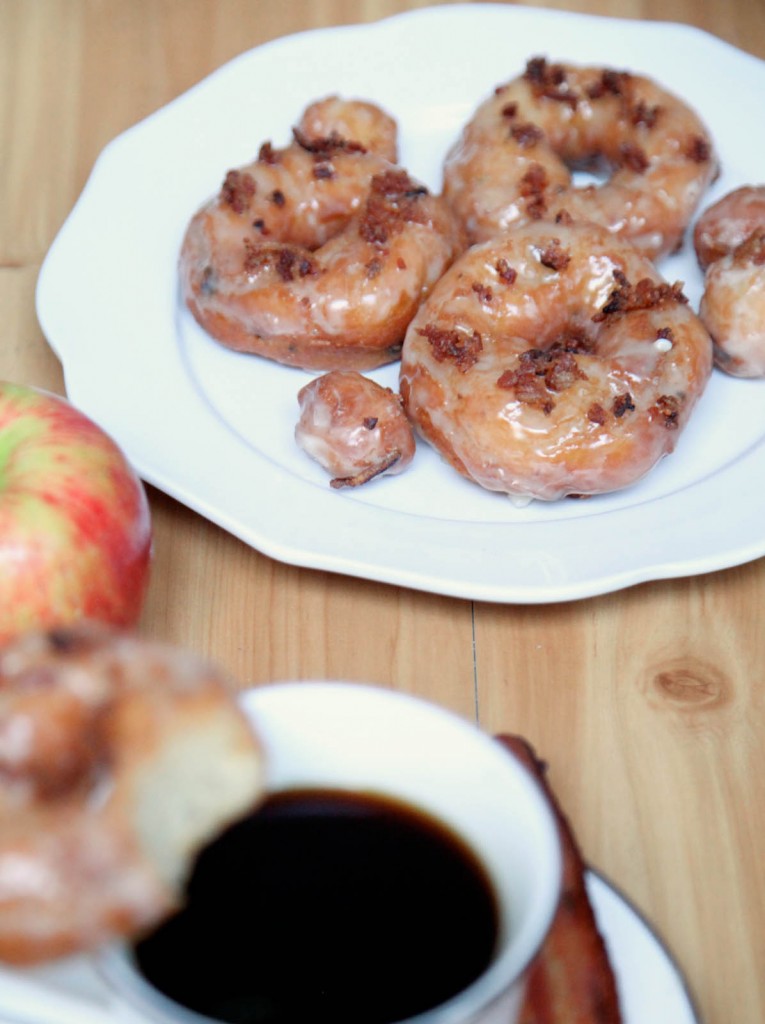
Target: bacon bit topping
x=540, y=372
x=549, y=81
x=573, y=340
x=646, y=294
x=622, y=404
x=644, y=115
x=698, y=149
x=505, y=272
x=401, y=263
x=483, y=291
x=323, y=169
x=667, y=408
x=610, y=83
x=370, y=422
x=751, y=252
x=596, y=414
x=277, y=197
x=509, y=110
x=531, y=187
x=260, y=225
x=633, y=157
x=463, y=348
x=237, y=190
x=554, y=257
x=325, y=146
x=268, y=155
x=563, y=217
x=287, y=262
x=392, y=203
x=665, y=333
x=527, y=135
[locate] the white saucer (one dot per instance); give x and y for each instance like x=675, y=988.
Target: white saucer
x=651, y=988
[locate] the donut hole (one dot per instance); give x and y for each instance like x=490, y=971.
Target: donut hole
x=589, y=170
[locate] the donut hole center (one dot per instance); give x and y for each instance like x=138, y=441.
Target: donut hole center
x=592, y=169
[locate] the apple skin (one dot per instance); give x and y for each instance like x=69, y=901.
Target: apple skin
x=75, y=523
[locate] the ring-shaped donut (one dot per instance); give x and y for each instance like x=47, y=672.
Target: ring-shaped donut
x=317, y=255
x=515, y=159
x=553, y=361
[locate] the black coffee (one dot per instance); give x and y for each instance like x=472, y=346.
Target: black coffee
x=326, y=907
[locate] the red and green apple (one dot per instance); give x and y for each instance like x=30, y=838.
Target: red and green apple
x=75, y=524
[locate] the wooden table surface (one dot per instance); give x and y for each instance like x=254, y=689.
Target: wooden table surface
x=648, y=704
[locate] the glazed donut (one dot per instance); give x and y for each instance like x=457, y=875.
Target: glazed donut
x=728, y=223
x=730, y=245
x=353, y=427
x=318, y=254
x=119, y=759
x=513, y=162
x=553, y=361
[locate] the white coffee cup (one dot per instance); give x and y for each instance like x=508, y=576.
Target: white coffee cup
x=324, y=735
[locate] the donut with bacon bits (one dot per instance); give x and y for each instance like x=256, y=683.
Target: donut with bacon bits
x=318, y=254
x=730, y=245
x=353, y=427
x=514, y=160
x=119, y=759
x=554, y=361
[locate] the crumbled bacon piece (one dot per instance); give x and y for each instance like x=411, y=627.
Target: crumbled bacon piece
x=527, y=135
x=268, y=155
x=277, y=197
x=531, y=187
x=642, y=114
x=633, y=157
x=392, y=203
x=667, y=408
x=698, y=149
x=573, y=339
x=596, y=414
x=665, y=333
x=483, y=291
x=646, y=294
x=323, y=169
x=509, y=110
x=549, y=81
x=554, y=257
x=622, y=404
x=540, y=372
x=505, y=272
x=324, y=146
x=286, y=261
x=610, y=83
x=453, y=344
x=237, y=190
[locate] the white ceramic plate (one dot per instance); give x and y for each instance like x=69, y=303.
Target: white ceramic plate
x=651, y=988
x=215, y=429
